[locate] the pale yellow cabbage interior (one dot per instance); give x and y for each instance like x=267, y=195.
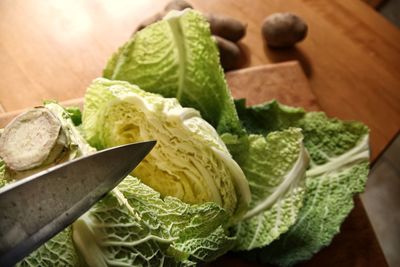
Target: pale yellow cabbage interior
x=186, y=162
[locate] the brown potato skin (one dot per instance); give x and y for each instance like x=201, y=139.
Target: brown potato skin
x=226, y=27
x=150, y=20
x=283, y=30
x=229, y=53
x=177, y=5
x=172, y=5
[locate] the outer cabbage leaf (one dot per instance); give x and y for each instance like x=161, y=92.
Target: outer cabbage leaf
x=58, y=251
x=190, y=161
x=339, y=167
x=177, y=57
x=267, y=117
x=275, y=168
x=3, y=180
x=75, y=115
x=133, y=226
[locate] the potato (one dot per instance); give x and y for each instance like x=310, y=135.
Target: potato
x=177, y=5
x=172, y=5
x=226, y=27
x=229, y=53
x=150, y=20
x=283, y=29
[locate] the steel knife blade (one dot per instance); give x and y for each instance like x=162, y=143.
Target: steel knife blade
x=36, y=208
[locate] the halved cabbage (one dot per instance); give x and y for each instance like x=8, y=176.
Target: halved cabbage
x=190, y=161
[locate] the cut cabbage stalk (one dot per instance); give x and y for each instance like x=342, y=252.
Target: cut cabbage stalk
x=32, y=139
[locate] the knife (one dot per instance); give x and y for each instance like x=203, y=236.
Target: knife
x=38, y=207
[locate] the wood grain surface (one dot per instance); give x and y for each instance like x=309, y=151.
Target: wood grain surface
x=53, y=49
x=285, y=82
x=356, y=245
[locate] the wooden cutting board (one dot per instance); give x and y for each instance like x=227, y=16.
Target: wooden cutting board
x=284, y=82
x=356, y=245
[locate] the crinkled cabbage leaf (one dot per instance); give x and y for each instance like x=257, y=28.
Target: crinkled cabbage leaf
x=3, y=180
x=275, y=168
x=58, y=251
x=133, y=226
x=338, y=169
x=177, y=57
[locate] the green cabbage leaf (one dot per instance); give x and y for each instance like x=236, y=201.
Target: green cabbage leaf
x=339, y=156
x=133, y=226
x=275, y=168
x=58, y=251
x=3, y=180
x=177, y=57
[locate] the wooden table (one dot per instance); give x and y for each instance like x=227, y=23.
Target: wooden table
x=53, y=49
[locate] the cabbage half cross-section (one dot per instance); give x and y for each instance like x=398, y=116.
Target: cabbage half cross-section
x=190, y=161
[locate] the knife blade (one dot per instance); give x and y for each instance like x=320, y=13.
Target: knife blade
x=36, y=208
